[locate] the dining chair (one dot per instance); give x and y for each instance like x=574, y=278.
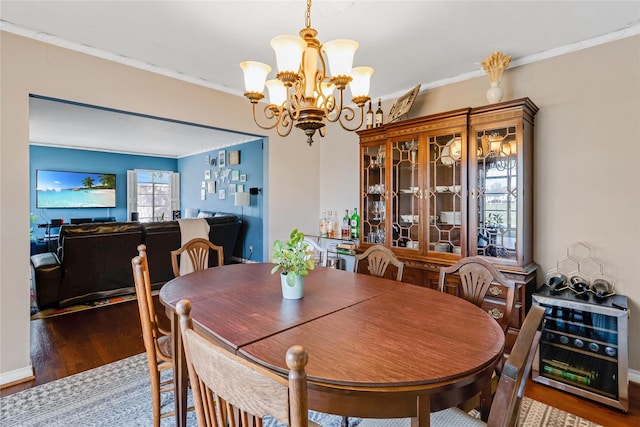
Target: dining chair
x=198, y=251
x=477, y=277
x=157, y=341
x=231, y=391
x=320, y=253
x=378, y=258
x=505, y=407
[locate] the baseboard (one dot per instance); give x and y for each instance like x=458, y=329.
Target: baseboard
x=634, y=376
x=17, y=376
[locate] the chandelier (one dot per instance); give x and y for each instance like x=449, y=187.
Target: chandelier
x=303, y=93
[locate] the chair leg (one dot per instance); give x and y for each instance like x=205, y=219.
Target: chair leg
x=155, y=397
x=345, y=422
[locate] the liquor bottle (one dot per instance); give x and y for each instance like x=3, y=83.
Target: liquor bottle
x=379, y=114
x=369, y=117
x=346, y=225
x=323, y=224
x=330, y=226
x=355, y=224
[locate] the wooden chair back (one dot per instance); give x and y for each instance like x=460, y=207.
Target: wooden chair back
x=231, y=391
x=508, y=397
x=320, y=252
x=157, y=341
x=198, y=251
x=378, y=258
x=477, y=275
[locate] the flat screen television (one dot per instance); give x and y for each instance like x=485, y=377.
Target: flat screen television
x=60, y=189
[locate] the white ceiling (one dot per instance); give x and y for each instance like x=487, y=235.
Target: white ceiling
x=406, y=42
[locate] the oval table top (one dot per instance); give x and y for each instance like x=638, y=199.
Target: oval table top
x=362, y=333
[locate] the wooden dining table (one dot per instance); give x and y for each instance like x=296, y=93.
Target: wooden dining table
x=377, y=348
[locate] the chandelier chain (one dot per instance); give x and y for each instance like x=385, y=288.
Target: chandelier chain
x=307, y=17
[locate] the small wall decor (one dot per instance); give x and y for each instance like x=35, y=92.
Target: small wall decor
x=232, y=189
x=224, y=174
x=207, y=174
x=204, y=184
x=243, y=177
x=213, y=161
x=234, y=157
x=235, y=175
x=206, y=160
x=222, y=194
x=211, y=187
x=203, y=194
x=403, y=105
x=222, y=158
x=240, y=188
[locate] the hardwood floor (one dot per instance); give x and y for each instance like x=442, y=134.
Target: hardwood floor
x=72, y=343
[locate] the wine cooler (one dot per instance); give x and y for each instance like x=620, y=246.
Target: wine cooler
x=583, y=348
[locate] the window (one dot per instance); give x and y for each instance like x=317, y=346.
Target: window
x=153, y=194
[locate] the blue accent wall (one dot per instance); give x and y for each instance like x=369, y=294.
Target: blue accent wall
x=192, y=171
x=64, y=159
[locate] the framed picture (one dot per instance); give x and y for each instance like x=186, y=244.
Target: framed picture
x=214, y=161
x=235, y=175
x=232, y=189
x=403, y=105
x=234, y=157
x=243, y=177
x=222, y=158
x=211, y=187
x=207, y=174
x=204, y=184
x=203, y=194
x=222, y=194
x=240, y=188
x=206, y=160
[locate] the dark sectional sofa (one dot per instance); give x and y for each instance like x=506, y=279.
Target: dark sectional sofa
x=93, y=260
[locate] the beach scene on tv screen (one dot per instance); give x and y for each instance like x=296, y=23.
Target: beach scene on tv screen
x=55, y=189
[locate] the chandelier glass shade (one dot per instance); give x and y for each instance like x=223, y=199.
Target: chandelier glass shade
x=308, y=90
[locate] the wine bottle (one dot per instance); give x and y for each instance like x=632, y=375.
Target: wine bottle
x=355, y=224
x=379, y=114
x=330, y=225
x=323, y=224
x=346, y=225
x=369, y=117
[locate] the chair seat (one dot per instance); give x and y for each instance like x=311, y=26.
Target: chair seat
x=164, y=344
x=446, y=418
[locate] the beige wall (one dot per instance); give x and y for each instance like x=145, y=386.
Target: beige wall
x=28, y=66
x=586, y=179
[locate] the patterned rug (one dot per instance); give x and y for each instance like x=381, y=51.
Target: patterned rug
x=49, y=312
x=118, y=394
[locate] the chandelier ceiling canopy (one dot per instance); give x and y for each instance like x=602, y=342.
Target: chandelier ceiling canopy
x=306, y=93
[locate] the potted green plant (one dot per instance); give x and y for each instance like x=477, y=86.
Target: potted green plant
x=295, y=258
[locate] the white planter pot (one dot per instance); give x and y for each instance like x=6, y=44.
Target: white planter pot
x=292, y=292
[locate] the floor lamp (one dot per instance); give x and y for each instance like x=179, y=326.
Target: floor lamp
x=242, y=199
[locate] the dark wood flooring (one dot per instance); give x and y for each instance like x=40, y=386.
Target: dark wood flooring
x=72, y=343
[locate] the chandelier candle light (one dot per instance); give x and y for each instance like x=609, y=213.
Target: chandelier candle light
x=303, y=92
x=494, y=65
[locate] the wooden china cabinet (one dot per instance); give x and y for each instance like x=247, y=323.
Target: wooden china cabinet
x=450, y=185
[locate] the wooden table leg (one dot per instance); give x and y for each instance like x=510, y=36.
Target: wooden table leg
x=180, y=374
x=424, y=412
x=485, y=399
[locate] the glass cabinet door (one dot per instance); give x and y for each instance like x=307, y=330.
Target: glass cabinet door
x=374, y=194
x=405, y=194
x=447, y=207
x=496, y=192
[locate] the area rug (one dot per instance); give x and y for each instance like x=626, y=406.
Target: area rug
x=49, y=312
x=118, y=394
